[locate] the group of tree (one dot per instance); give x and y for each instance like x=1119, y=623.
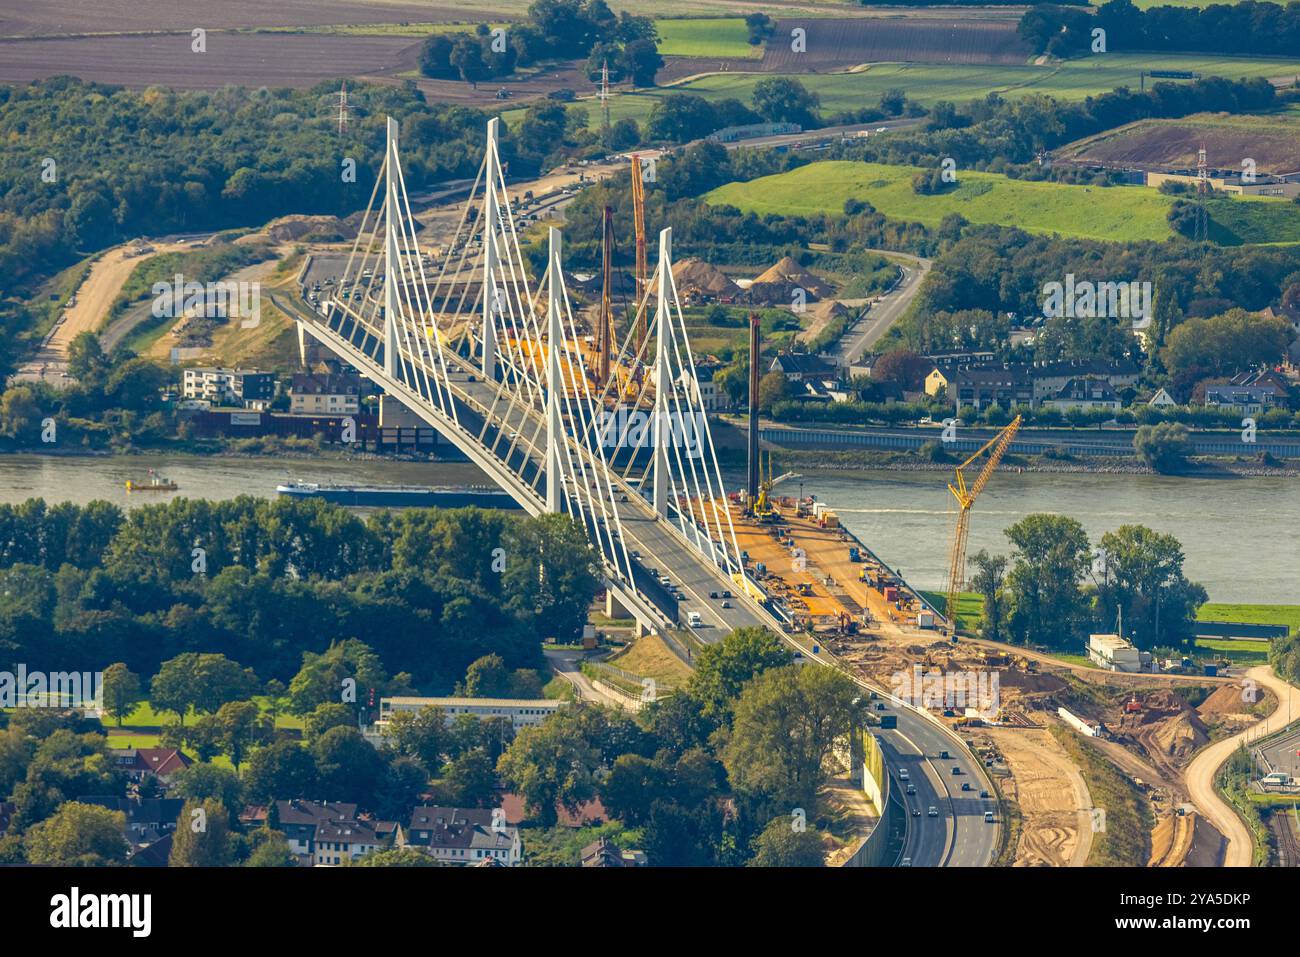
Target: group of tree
x=722, y=772
x=1054, y=588
x=1248, y=28
x=554, y=30
x=267, y=582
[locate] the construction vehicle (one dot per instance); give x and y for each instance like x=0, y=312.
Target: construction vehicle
x=996, y=448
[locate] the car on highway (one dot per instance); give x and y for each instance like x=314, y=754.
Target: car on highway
x=933, y=812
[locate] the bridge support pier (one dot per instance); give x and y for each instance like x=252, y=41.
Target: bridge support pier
x=555, y=434
x=491, y=255
x=662, y=430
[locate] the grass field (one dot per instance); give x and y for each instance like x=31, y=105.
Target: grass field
x=1288, y=615
x=970, y=608
x=928, y=83
x=722, y=37
x=1118, y=213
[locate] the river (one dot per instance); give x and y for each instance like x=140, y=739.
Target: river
x=1238, y=534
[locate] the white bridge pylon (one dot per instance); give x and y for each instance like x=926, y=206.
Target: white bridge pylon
x=504, y=369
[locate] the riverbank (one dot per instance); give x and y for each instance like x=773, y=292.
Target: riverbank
x=871, y=461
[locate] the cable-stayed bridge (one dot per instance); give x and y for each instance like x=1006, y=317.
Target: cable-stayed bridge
x=503, y=369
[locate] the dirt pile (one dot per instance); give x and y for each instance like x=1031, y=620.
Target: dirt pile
x=695, y=277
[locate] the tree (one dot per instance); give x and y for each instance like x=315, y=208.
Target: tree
x=772, y=388
x=471, y=779
x=1144, y=578
x=486, y=677
x=1046, y=603
x=786, y=721
x=283, y=770
x=551, y=575
x=785, y=100
x=435, y=57
x=1164, y=446
x=422, y=735
x=552, y=764
x=202, y=836
x=641, y=61
x=467, y=57
x=990, y=574
x=237, y=726
x=203, y=682
x=782, y=845
x=122, y=692
x=270, y=849
x=78, y=835
x=722, y=669
x=347, y=766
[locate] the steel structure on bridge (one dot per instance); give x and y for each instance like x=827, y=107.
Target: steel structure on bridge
x=500, y=368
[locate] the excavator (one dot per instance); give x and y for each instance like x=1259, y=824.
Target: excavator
x=995, y=447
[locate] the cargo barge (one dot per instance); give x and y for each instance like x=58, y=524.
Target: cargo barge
x=402, y=496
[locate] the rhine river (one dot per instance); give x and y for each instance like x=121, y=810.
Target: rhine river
x=1239, y=534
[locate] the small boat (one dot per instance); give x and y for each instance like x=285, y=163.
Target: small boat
x=156, y=483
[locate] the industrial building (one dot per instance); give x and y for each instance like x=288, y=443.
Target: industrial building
x=1117, y=654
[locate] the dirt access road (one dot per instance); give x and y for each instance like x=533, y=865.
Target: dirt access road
x=1055, y=804
x=1201, y=772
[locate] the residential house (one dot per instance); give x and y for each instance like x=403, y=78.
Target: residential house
x=162, y=763
x=147, y=819
x=1248, y=393
x=324, y=832
x=604, y=853
x=798, y=367
x=1086, y=393
x=325, y=394
x=243, y=387
x=1050, y=377
x=982, y=387
x=1162, y=400
x=463, y=835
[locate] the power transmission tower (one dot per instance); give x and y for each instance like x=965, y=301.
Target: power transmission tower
x=343, y=109
x=1202, y=192
x=604, y=98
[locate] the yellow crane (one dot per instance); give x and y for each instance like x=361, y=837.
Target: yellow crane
x=996, y=447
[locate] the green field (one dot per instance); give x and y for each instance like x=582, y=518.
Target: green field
x=928, y=83
x=722, y=37
x=1288, y=615
x=1116, y=213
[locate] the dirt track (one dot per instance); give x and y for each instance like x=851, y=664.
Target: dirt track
x=1053, y=798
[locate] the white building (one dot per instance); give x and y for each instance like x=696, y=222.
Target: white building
x=1114, y=653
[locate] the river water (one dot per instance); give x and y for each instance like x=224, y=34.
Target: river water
x=1239, y=534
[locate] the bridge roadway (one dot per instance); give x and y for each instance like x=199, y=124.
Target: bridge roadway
x=958, y=836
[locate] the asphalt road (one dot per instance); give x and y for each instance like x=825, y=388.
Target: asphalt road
x=868, y=330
